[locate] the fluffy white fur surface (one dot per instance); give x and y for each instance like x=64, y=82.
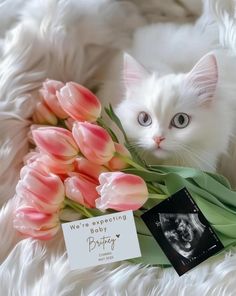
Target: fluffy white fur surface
x=64, y=40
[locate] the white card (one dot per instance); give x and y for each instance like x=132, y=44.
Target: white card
x=101, y=240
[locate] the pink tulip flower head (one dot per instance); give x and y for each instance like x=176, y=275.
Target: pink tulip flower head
x=81, y=189
x=121, y=192
x=117, y=163
x=94, y=142
x=50, y=87
x=30, y=132
x=28, y=221
x=48, y=164
x=86, y=167
x=39, y=189
x=79, y=102
x=31, y=157
x=56, y=166
x=43, y=115
x=56, y=142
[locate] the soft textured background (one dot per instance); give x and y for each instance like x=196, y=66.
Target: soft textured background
x=70, y=40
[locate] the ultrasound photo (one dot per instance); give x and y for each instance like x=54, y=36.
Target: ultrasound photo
x=182, y=231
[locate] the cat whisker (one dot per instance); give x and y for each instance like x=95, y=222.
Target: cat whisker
x=135, y=145
x=198, y=159
x=139, y=147
x=178, y=158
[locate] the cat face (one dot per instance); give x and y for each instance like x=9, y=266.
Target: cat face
x=175, y=119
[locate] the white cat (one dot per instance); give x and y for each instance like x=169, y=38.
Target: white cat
x=174, y=119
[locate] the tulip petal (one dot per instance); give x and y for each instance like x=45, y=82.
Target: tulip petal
x=57, y=142
x=50, y=87
x=42, y=190
x=94, y=142
x=44, y=115
x=86, y=167
x=117, y=163
x=120, y=191
x=79, y=102
x=81, y=189
x=47, y=187
x=36, y=224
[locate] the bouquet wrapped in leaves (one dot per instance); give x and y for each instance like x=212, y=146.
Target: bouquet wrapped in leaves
x=77, y=169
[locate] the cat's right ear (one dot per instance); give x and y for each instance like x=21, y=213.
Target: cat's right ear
x=204, y=77
x=133, y=71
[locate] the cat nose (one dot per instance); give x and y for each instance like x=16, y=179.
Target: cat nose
x=159, y=139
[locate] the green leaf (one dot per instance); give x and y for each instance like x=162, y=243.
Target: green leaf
x=109, y=130
x=133, y=151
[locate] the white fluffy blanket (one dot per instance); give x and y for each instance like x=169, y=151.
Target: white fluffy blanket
x=65, y=40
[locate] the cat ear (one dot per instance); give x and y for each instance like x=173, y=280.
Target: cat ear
x=204, y=77
x=133, y=71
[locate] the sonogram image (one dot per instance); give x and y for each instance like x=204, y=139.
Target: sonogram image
x=182, y=231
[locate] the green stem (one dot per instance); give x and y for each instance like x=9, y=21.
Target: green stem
x=108, y=129
x=130, y=162
x=151, y=191
x=157, y=196
x=77, y=207
x=154, y=188
x=101, y=122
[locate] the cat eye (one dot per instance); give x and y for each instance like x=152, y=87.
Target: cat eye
x=180, y=120
x=144, y=119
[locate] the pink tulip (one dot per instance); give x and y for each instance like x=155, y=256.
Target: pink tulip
x=49, y=164
x=86, y=167
x=50, y=87
x=117, y=163
x=44, y=115
x=94, y=142
x=79, y=102
x=121, y=192
x=31, y=157
x=56, y=142
x=36, y=224
x=42, y=190
x=30, y=132
x=81, y=189
x=56, y=166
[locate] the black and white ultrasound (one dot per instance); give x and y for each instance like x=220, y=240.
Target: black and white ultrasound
x=182, y=231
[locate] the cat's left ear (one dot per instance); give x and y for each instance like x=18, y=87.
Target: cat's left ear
x=204, y=77
x=133, y=72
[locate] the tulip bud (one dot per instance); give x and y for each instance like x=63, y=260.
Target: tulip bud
x=50, y=87
x=56, y=142
x=56, y=166
x=31, y=157
x=43, y=115
x=30, y=132
x=121, y=192
x=117, y=163
x=39, y=189
x=94, y=142
x=79, y=102
x=86, y=167
x=31, y=222
x=48, y=164
x=81, y=189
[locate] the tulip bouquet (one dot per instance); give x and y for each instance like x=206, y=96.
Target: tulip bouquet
x=77, y=168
